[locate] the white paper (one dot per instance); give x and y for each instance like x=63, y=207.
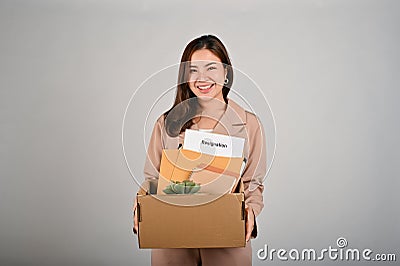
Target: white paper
x=213, y=144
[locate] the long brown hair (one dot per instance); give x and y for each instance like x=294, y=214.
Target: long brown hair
x=185, y=107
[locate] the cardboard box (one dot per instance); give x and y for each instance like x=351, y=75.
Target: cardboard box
x=164, y=221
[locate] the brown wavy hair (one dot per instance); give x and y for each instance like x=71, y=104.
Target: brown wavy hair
x=185, y=107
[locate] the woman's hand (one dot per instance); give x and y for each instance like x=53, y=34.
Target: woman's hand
x=249, y=222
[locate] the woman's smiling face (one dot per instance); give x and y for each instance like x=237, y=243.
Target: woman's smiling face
x=206, y=75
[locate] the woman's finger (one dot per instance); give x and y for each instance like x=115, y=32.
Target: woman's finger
x=135, y=222
x=249, y=223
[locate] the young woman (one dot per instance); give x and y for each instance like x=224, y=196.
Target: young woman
x=202, y=103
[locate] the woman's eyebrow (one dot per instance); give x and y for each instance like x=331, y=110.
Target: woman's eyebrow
x=211, y=63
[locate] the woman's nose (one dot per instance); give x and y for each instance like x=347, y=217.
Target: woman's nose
x=202, y=76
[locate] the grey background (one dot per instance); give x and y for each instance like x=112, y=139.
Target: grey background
x=330, y=70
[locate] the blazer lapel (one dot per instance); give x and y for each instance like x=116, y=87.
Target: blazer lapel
x=233, y=121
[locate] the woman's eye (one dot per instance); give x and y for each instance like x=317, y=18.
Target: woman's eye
x=211, y=68
x=193, y=70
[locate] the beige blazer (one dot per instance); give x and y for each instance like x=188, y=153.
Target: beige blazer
x=235, y=121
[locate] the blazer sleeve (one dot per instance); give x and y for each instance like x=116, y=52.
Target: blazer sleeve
x=154, y=151
x=153, y=157
x=256, y=167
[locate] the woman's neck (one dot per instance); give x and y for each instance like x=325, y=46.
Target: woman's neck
x=210, y=105
x=211, y=111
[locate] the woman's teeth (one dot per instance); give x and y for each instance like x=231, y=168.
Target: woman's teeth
x=205, y=87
